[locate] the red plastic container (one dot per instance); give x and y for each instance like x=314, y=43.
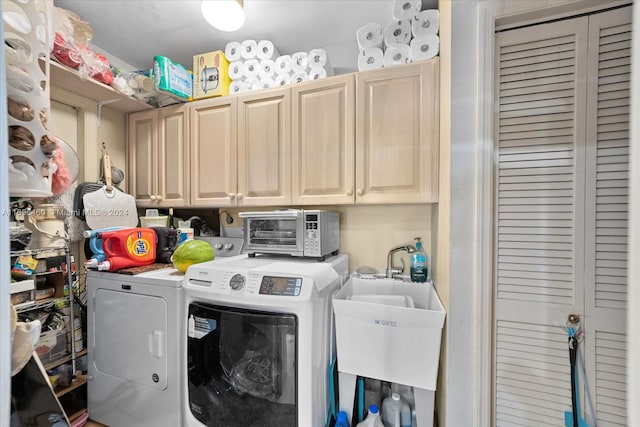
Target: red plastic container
x=129, y=247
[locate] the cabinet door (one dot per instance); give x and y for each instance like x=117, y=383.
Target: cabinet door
x=142, y=157
x=213, y=152
x=173, y=158
x=323, y=141
x=397, y=134
x=264, y=148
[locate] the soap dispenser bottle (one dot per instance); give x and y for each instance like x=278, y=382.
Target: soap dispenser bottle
x=418, y=263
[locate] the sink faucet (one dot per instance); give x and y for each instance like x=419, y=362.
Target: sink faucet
x=392, y=270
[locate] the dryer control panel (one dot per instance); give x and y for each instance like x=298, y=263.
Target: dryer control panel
x=285, y=286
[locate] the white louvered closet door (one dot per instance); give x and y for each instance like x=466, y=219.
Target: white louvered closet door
x=558, y=127
x=607, y=157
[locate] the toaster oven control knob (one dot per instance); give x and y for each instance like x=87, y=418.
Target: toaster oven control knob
x=237, y=282
x=217, y=246
x=228, y=246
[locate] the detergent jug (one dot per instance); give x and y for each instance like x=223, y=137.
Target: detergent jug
x=167, y=242
x=95, y=244
x=129, y=247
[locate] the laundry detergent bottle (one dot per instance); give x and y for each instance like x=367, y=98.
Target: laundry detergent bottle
x=95, y=244
x=129, y=247
x=373, y=418
x=418, y=264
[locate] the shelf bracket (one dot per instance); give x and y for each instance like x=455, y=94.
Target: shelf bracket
x=101, y=104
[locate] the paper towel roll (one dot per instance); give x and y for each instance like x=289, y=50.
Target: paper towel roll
x=403, y=9
x=251, y=68
x=370, y=58
x=397, y=32
x=253, y=83
x=397, y=54
x=317, y=73
x=249, y=49
x=299, y=76
x=284, y=64
x=267, y=69
x=369, y=35
x=425, y=47
x=238, y=86
x=426, y=22
x=318, y=58
x=232, y=51
x=266, y=50
x=282, y=79
x=267, y=84
x=300, y=61
x=236, y=70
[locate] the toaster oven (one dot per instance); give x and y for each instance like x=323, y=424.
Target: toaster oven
x=295, y=232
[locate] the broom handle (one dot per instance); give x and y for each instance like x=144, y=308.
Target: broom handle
x=573, y=350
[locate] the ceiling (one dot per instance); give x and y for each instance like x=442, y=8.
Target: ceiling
x=136, y=30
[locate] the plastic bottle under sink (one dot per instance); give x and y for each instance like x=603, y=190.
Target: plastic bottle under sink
x=342, y=420
x=373, y=418
x=396, y=412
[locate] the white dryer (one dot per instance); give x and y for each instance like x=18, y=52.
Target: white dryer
x=259, y=341
x=134, y=330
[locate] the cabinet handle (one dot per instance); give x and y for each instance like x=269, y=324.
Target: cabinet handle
x=232, y=196
x=359, y=191
x=239, y=196
x=153, y=197
x=159, y=197
x=349, y=191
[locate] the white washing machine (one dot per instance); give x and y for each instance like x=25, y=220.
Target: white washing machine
x=135, y=334
x=259, y=341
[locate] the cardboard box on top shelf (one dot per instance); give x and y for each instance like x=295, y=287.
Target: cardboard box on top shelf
x=210, y=75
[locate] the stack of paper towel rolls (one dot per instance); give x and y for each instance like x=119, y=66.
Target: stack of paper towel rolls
x=411, y=36
x=258, y=65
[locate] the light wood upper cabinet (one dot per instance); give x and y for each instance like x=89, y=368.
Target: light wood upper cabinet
x=241, y=150
x=264, y=148
x=397, y=134
x=368, y=137
x=141, y=149
x=158, y=161
x=214, y=152
x=323, y=141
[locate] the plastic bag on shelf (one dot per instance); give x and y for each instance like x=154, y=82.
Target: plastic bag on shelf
x=71, y=34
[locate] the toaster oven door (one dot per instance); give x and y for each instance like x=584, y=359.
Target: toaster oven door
x=275, y=232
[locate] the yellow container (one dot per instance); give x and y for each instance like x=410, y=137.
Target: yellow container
x=210, y=75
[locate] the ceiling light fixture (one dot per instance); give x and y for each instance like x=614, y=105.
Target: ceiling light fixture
x=225, y=15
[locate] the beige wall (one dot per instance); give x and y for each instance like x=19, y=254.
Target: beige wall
x=90, y=133
x=368, y=232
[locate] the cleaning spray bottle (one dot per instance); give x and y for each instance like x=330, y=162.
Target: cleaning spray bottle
x=418, y=263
